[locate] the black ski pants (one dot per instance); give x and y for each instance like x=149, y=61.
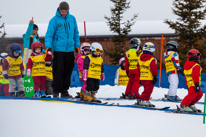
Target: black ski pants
x=92, y=85
x=63, y=64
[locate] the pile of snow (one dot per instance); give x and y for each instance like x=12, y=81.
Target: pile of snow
x=27, y=118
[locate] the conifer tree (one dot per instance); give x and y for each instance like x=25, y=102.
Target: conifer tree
x=3, y=41
x=119, y=28
x=189, y=27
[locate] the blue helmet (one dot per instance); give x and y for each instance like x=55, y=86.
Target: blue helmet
x=15, y=47
x=172, y=46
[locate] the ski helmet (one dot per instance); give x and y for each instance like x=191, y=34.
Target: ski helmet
x=96, y=47
x=149, y=46
x=15, y=47
x=36, y=45
x=172, y=46
x=121, y=60
x=85, y=44
x=193, y=55
x=135, y=43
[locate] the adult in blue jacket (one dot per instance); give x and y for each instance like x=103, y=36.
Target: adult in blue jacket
x=62, y=37
x=29, y=37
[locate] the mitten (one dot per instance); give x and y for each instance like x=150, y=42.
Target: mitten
x=197, y=87
x=47, y=50
x=127, y=73
x=49, y=53
x=22, y=76
x=84, y=74
x=181, y=72
x=102, y=76
x=154, y=79
x=28, y=72
x=6, y=76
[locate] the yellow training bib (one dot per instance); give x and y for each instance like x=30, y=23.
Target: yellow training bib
x=14, y=66
x=169, y=64
x=188, y=75
x=38, y=68
x=49, y=72
x=123, y=78
x=145, y=73
x=2, y=79
x=95, y=67
x=133, y=59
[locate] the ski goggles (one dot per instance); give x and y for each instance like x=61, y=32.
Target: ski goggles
x=18, y=51
x=193, y=54
x=99, y=50
x=86, y=49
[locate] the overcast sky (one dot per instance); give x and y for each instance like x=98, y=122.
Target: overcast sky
x=21, y=11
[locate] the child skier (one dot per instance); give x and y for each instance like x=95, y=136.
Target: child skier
x=13, y=70
x=93, y=71
x=173, y=69
x=192, y=71
x=121, y=77
x=84, y=50
x=36, y=66
x=3, y=82
x=131, y=60
x=49, y=75
x=147, y=69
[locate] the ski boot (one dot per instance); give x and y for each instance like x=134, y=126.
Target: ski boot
x=37, y=94
x=128, y=96
x=173, y=98
x=55, y=95
x=185, y=109
x=191, y=106
x=12, y=94
x=144, y=103
x=66, y=95
x=21, y=94
x=79, y=94
x=94, y=98
x=43, y=95
x=86, y=96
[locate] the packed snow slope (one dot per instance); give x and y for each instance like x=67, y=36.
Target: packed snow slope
x=30, y=118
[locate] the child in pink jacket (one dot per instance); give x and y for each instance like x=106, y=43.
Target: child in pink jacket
x=84, y=50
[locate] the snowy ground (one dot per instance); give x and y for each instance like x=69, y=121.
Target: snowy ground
x=27, y=118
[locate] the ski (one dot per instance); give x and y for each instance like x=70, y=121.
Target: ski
x=148, y=107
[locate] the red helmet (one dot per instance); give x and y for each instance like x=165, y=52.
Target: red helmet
x=36, y=45
x=193, y=55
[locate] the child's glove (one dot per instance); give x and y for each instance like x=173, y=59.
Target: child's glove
x=28, y=72
x=6, y=76
x=102, y=76
x=22, y=76
x=127, y=73
x=49, y=53
x=181, y=72
x=84, y=74
x=197, y=87
x=154, y=79
x=47, y=50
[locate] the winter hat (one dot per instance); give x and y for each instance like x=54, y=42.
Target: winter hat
x=64, y=6
x=35, y=27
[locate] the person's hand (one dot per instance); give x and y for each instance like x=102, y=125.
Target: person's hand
x=49, y=53
x=181, y=72
x=84, y=75
x=102, y=76
x=127, y=73
x=154, y=79
x=5, y=76
x=31, y=21
x=22, y=76
x=76, y=50
x=197, y=87
x=28, y=72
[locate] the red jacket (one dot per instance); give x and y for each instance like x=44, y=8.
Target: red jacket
x=30, y=62
x=153, y=65
x=6, y=65
x=195, y=71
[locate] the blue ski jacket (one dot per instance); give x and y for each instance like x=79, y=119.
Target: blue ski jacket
x=62, y=34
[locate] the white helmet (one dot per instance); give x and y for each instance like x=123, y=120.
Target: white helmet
x=149, y=46
x=94, y=46
x=3, y=55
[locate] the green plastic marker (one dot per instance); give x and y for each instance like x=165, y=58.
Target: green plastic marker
x=28, y=86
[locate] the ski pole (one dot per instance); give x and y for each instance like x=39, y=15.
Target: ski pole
x=204, y=107
x=85, y=36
